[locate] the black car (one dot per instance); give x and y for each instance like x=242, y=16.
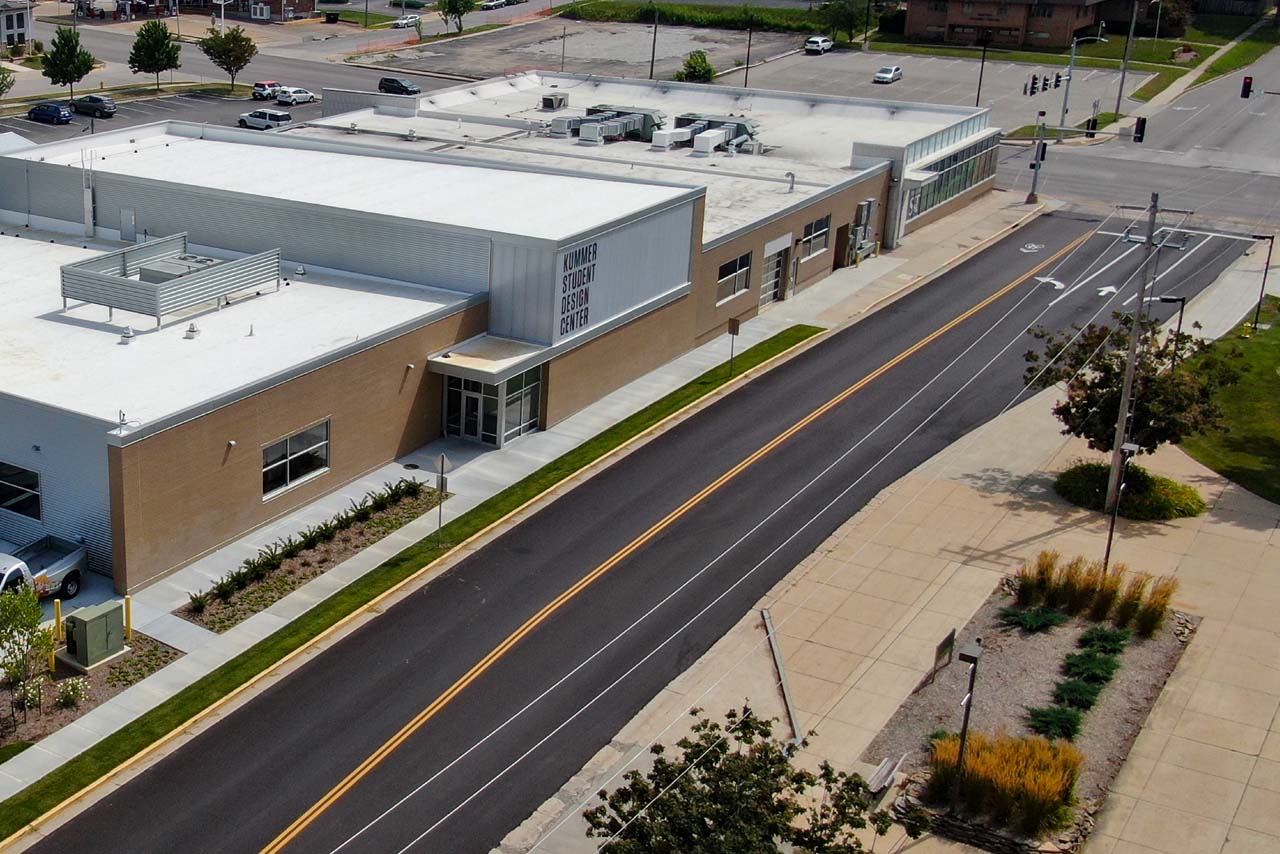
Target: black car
x=398, y=86
x=94, y=105
x=53, y=113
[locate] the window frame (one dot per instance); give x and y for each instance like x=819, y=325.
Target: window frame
x=21, y=491
x=813, y=234
x=290, y=455
x=736, y=281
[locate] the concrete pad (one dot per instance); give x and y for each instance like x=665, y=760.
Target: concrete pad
x=1172, y=831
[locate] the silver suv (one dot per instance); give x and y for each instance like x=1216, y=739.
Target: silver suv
x=264, y=119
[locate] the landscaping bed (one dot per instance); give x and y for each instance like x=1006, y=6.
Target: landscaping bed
x=285, y=566
x=146, y=655
x=1019, y=671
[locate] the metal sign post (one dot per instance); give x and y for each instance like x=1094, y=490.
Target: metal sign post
x=442, y=489
x=735, y=326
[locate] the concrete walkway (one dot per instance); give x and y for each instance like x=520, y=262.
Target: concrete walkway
x=858, y=621
x=478, y=473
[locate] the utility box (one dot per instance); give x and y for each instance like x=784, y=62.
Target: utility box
x=95, y=633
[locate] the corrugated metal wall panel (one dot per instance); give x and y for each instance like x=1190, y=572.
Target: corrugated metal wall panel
x=13, y=185
x=57, y=192
x=632, y=264
x=520, y=287
x=74, y=481
x=337, y=101
x=338, y=239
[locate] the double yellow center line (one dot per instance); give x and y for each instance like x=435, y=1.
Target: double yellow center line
x=479, y=668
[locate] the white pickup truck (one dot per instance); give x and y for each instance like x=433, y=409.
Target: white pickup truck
x=50, y=565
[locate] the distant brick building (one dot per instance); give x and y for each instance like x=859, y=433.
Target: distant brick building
x=15, y=23
x=1043, y=23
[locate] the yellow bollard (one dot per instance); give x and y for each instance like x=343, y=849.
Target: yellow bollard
x=57, y=620
x=53, y=662
x=128, y=618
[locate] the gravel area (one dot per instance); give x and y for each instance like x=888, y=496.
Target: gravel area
x=1020, y=670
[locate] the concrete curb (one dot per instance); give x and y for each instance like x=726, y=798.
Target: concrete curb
x=764, y=61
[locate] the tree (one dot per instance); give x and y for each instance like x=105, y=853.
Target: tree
x=67, y=62
x=697, y=68
x=1174, y=383
x=733, y=789
x=23, y=644
x=453, y=10
x=6, y=81
x=231, y=50
x=844, y=16
x=154, y=51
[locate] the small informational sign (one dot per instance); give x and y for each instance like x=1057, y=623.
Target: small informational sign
x=735, y=326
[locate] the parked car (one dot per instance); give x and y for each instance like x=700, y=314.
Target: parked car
x=398, y=86
x=405, y=21
x=818, y=44
x=888, y=74
x=94, y=105
x=264, y=119
x=489, y=5
x=51, y=112
x=265, y=90
x=50, y=565
x=291, y=95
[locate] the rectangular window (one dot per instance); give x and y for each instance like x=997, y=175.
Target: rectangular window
x=937, y=5
x=734, y=277
x=967, y=8
x=1042, y=10
x=19, y=490
x=295, y=459
x=522, y=404
x=817, y=235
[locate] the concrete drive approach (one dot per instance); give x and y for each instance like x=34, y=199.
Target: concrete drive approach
x=679, y=539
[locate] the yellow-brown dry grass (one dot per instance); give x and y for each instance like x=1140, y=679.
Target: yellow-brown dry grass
x=1106, y=592
x=1153, y=609
x=1131, y=599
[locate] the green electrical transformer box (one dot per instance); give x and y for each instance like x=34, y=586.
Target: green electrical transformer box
x=95, y=633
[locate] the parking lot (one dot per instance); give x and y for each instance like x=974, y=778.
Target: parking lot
x=942, y=80
x=188, y=107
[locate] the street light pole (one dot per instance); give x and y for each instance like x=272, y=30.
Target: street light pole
x=746, y=69
x=1262, y=292
x=1066, y=91
x=1129, y=450
x=1177, y=333
x=971, y=654
x=653, y=54
x=1036, y=162
x=982, y=67
x=1128, y=44
x=866, y=27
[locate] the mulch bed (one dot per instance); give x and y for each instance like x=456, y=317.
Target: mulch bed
x=219, y=616
x=146, y=655
x=1019, y=671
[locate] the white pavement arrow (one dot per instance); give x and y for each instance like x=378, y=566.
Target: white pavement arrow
x=1102, y=292
x=1049, y=280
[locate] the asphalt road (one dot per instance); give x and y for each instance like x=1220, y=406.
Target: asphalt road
x=481, y=764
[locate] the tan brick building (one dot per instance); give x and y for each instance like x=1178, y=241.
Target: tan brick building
x=1046, y=23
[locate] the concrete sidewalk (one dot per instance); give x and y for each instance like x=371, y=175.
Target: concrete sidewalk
x=478, y=473
x=858, y=621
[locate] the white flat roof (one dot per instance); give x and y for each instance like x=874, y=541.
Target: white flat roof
x=489, y=199
x=74, y=360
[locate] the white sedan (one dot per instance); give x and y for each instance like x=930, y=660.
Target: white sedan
x=888, y=74
x=405, y=21
x=290, y=95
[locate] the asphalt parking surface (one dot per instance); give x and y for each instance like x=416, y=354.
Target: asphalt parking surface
x=942, y=80
x=194, y=107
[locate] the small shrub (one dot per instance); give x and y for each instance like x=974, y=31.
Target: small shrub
x=697, y=68
x=1104, y=641
x=1032, y=620
x=1130, y=600
x=1054, y=722
x=290, y=547
x=18, y=49
x=1153, y=609
x=72, y=692
x=1076, y=694
x=938, y=734
x=199, y=601
x=1106, y=593
x=1025, y=593
x=224, y=589
x=1091, y=667
x=37, y=46
x=29, y=694
x=327, y=531
x=1068, y=585
x=412, y=488
x=361, y=511
x=1147, y=497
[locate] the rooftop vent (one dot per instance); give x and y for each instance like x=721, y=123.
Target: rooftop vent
x=555, y=101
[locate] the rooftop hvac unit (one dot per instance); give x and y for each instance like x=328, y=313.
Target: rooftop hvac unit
x=568, y=125
x=649, y=120
x=615, y=128
x=95, y=633
x=737, y=125
x=709, y=140
x=165, y=269
x=555, y=101
x=665, y=139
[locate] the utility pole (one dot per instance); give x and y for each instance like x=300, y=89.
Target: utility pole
x=1131, y=363
x=1262, y=292
x=653, y=54
x=1066, y=91
x=746, y=69
x=1037, y=159
x=1128, y=46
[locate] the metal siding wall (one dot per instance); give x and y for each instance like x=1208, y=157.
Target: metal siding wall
x=634, y=263
x=13, y=185
x=74, y=482
x=520, y=285
x=326, y=237
x=57, y=192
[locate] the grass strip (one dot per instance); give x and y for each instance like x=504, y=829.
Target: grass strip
x=1155, y=85
x=60, y=784
x=1248, y=451
x=353, y=16
x=1217, y=29
x=890, y=43
x=11, y=750
x=694, y=15
x=1250, y=50
x=1029, y=131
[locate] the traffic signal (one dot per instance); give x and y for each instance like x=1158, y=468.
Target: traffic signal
x=1045, y=84
x=1035, y=80
x=1057, y=80
x=1246, y=88
x=1044, y=149
x=1140, y=129
x=1091, y=128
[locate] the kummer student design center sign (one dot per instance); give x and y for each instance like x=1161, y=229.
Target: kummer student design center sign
x=577, y=274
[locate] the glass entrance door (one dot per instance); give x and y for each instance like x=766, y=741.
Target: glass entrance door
x=773, y=287
x=471, y=415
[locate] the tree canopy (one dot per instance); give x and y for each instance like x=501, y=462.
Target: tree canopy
x=6, y=81
x=732, y=787
x=697, y=68
x=844, y=16
x=231, y=51
x=452, y=11
x=154, y=52
x=67, y=63
x=23, y=644
x=1174, y=384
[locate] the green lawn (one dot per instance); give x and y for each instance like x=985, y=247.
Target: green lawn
x=728, y=17
x=60, y=784
x=12, y=749
x=1029, y=131
x=1056, y=56
x=1156, y=85
x=1246, y=53
x=1144, y=50
x=1248, y=452
x=358, y=17
x=1217, y=29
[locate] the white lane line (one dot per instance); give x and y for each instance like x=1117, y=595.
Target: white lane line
x=1185, y=255
x=1080, y=284
x=1187, y=231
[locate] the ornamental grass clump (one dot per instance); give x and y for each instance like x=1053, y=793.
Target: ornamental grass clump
x=1130, y=600
x=1086, y=591
x=1025, y=593
x=1070, y=594
x=1106, y=592
x=1153, y=609
x=1046, y=567
x=1023, y=782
